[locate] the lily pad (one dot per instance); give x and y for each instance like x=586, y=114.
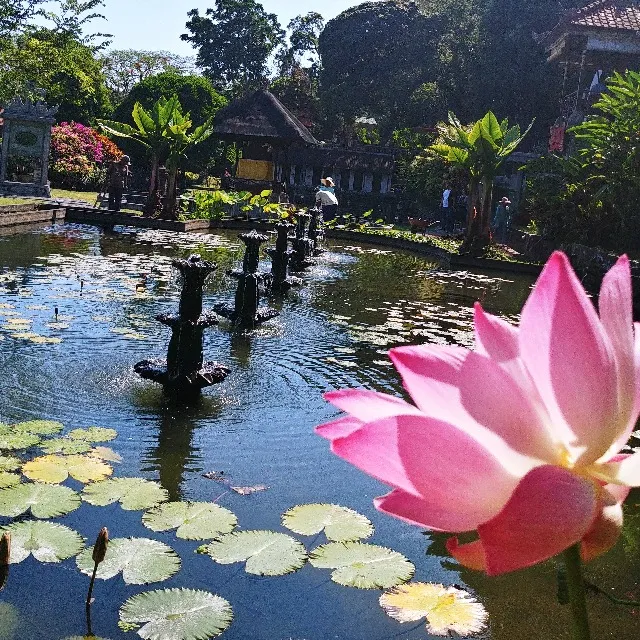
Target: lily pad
x=176, y=614
x=11, y=440
x=193, y=520
x=44, y=500
x=47, y=541
x=105, y=453
x=56, y=468
x=40, y=427
x=132, y=493
x=267, y=553
x=366, y=566
x=140, y=560
x=10, y=463
x=8, y=479
x=447, y=609
x=93, y=434
x=65, y=446
x=340, y=524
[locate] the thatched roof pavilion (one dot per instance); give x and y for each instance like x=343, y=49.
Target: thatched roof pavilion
x=261, y=117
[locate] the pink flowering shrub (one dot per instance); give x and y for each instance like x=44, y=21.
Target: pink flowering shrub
x=80, y=156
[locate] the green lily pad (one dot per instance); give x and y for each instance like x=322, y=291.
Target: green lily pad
x=140, y=560
x=10, y=463
x=40, y=427
x=11, y=440
x=193, y=520
x=132, y=493
x=55, y=468
x=8, y=479
x=267, y=553
x=44, y=500
x=340, y=524
x=176, y=614
x=366, y=566
x=93, y=434
x=47, y=541
x=65, y=446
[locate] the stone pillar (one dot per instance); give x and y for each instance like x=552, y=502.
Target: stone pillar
x=351, y=180
x=367, y=183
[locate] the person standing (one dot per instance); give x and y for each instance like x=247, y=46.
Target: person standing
x=326, y=198
x=501, y=220
x=446, y=207
x=117, y=179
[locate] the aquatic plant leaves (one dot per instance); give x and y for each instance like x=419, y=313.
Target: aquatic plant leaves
x=8, y=479
x=40, y=427
x=447, y=609
x=12, y=440
x=140, y=560
x=10, y=463
x=47, y=541
x=176, y=614
x=44, y=500
x=55, y=469
x=93, y=434
x=105, y=453
x=267, y=553
x=65, y=446
x=132, y=493
x=366, y=566
x=193, y=520
x=340, y=524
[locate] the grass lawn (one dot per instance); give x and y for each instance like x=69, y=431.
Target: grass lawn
x=88, y=196
x=5, y=201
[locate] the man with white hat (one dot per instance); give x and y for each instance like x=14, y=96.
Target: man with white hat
x=326, y=198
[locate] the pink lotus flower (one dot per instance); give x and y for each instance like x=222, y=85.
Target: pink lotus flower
x=519, y=439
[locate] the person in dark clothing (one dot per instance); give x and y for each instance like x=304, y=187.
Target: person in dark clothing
x=117, y=179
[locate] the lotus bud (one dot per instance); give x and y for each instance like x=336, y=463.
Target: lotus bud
x=100, y=547
x=5, y=549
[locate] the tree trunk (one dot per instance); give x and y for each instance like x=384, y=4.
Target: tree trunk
x=169, y=208
x=152, y=197
x=478, y=234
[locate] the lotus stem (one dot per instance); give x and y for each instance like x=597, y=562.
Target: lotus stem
x=5, y=557
x=577, y=593
x=99, y=552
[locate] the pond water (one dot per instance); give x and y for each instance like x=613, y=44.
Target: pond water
x=256, y=427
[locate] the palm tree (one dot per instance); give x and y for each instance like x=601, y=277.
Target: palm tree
x=480, y=149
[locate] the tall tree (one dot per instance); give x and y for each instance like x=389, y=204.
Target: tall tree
x=71, y=18
x=234, y=41
x=125, y=68
x=303, y=34
x=15, y=15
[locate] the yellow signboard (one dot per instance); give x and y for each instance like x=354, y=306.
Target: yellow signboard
x=255, y=170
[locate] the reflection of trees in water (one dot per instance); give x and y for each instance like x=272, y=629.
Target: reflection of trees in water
x=174, y=451
x=523, y=604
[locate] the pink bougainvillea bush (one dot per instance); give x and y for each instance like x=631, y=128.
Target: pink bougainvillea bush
x=520, y=440
x=80, y=156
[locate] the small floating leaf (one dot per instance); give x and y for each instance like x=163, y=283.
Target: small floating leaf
x=193, y=520
x=246, y=491
x=44, y=500
x=140, y=560
x=366, y=566
x=11, y=439
x=8, y=479
x=65, y=446
x=446, y=609
x=105, y=453
x=40, y=427
x=56, y=468
x=340, y=524
x=133, y=493
x=10, y=463
x=93, y=434
x=176, y=614
x=45, y=340
x=267, y=553
x=47, y=541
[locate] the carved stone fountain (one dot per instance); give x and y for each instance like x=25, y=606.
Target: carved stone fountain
x=184, y=372
x=281, y=281
x=302, y=245
x=316, y=232
x=246, y=312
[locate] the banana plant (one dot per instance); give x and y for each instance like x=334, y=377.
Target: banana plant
x=150, y=132
x=480, y=149
x=179, y=140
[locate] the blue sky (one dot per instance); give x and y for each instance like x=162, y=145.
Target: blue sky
x=157, y=24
